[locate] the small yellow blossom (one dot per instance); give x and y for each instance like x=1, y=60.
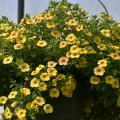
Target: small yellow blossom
x=109, y=79
x=94, y=80
x=62, y=44
x=72, y=22
x=48, y=16
x=60, y=76
x=42, y=86
x=50, y=24
x=24, y=67
x=30, y=21
x=79, y=27
x=21, y=39
x=34, y=82
x=102, y=46
x=54, y=92
x=21, y=113
x=116, y=84
x=18, y=46
x=8, y=60
x=7, y=113
x=115, y=56
x=97, y=40
x=3, y=99
x=25, y=91
x=48, y=108
x=52, y=71
x=106, y=33
x=40, y=101
x=63, y=61
x=70, y=38
x=51, y=64
x=41, y=43
x=102, y=63
x=45, y=77
x=12, y=94
x=55, y=34
x=99, y=71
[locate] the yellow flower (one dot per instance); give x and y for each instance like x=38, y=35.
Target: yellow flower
x=54, y=82
x=52, y=71
x=51, y=64
x=21, y=113
x=115, y=83
x=24, y=67
x=83, y=62
x=55, y=33
x=70, y=38
x=106, y=32
x=109, y=80
x=34, y=82
x=60, y=76
x=84, y=42
x=79, y=27
x=39, y=101
x=72, y=22
x=41, y=66
x=68, y=54
x=62, y=44
x=34, y=72
x=99, y=71
x=66, y=91
x=39, y=18
x=48, y=16
x=12, y=94
x=34, y=106
x=54, y=92
x=28, y=106
x=83, y=51
x=102, y=46
x=30, y=21
x=50, y=24
x=22, y=30
x=94, y=80
x=3, y=99
x=87, y=32
x=13, y=35
x=21, y=39
x=18, y=46
x=115, y=47
x=14, y=104
x=48, y=108
x=74, y=55
x=42, y=86
x=102, y=63
x=45, y=77
x=25, y=91
x=63, y=61
x=41, y=43
x=74, y=49
x=115, y=56
x=8, y=60
x=97, y=40
x=8, y=113
x=70, y=84
x=38, y=69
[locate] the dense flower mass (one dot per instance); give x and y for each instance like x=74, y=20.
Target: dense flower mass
x=38, y=55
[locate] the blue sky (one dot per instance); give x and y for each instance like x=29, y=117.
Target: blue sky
x=33, y=7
